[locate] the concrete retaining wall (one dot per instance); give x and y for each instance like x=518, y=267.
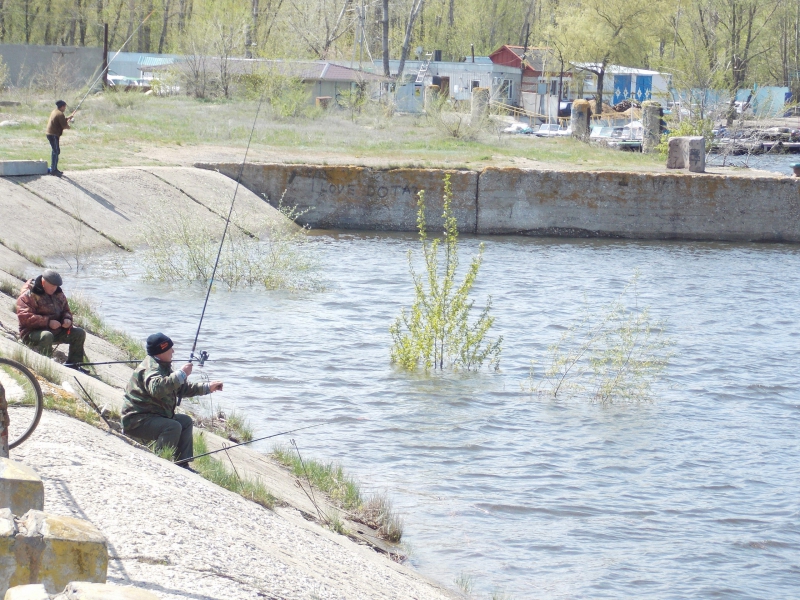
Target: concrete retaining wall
x=530, y=202
x=360, y=197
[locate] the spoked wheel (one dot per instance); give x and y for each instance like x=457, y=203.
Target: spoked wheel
x=24, y=398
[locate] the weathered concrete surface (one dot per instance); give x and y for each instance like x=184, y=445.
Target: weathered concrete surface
x=182, y=537
x=82, y=590
x=360, y=197
x=14, y=168
x=21, y=489
x=54, y=550
x=687, y=152
x=634, y=205
x=581, y=113
x=538, y=202
x=652, y=112
x=33, y=591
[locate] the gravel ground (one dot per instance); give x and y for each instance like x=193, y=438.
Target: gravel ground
x=180, y=536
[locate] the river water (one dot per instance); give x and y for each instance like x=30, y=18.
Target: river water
x=696, y=494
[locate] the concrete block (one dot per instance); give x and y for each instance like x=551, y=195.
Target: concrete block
x=82, y=590
x=55, y=550
x=34, y=591
x=581, y=113
x=688, y=152
x=652, y=114
x=21, y=489
x=15, y=168
x=8, y=533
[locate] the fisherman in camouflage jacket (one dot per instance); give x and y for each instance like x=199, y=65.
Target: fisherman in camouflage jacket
x=45, y=318
x=153, y=393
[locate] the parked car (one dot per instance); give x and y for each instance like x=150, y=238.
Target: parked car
x=552, y=130
x=518, y=128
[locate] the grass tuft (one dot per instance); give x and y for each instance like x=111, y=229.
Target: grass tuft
x=41, y=365
x=216, y=472
x=86, y=316
x=9, y=289
x=343, y=490
x=34, y=258
x=465, y=582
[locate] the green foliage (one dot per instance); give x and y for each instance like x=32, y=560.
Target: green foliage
x=184, y=248
x=288, y=96
x=216, y=471
x=86, y=316
x=436, y=331
x=166, y=452
x=375, y=511
x=615, y=357
x=43, y=366
x=328, y=477
x=686, y=127
x=206, y=415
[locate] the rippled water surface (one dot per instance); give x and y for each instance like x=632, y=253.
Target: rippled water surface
x=694, y=495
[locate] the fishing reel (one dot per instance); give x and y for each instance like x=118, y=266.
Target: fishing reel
x=201, y=358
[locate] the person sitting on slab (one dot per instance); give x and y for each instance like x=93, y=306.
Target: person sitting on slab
x=153, y=393
x=45, y=318
x=56, y=125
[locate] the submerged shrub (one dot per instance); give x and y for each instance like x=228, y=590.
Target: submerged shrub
x=184, y=248
x=437, y=331
x=616, y=355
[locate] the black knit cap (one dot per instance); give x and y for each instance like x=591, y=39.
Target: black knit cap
x=158, y=343
x=60, y=103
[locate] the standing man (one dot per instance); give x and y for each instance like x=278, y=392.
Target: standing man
x=153, y=393
x=45, y=318
x=56, y=125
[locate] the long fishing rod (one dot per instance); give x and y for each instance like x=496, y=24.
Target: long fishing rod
x=266, y=437
x=204, y=355
x=103, y=71
x=116, y=362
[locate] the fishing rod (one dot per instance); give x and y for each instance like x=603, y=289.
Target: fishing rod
x=266, y=437
x=103, y=71
x=124, y=362
x=204, y=355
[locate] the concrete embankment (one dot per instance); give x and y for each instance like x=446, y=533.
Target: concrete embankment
x=725, y=206
x=170, y=531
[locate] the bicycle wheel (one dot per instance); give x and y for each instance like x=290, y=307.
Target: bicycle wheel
x=24, y=398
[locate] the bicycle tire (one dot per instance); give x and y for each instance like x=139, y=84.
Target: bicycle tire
x=38, y=399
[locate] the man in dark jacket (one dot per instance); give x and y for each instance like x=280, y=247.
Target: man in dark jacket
x=56, y=125
x=153, y=393
x=45, y=318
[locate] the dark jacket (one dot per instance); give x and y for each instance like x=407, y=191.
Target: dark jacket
x=36, y=308
x=57, y=123
x=154, y=389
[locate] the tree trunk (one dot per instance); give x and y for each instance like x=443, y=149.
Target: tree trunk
x=451, y=13
x=412, y=18
x=385, y=38
x=162, y=42
x=2, y=22
x=81, y=23
x=599, y=97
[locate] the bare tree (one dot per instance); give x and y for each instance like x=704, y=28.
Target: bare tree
x=416, y=8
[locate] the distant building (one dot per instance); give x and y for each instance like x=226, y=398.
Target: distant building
x=624, y=83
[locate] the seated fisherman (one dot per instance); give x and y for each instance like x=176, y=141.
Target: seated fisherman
x=152, y=394
x=45, y=318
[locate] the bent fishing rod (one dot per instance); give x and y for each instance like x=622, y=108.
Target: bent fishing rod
x=203, y=356
x=103, y=71
x=266, y=437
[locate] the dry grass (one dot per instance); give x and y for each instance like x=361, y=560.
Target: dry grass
x=107, y=134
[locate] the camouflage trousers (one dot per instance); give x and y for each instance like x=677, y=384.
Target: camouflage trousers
x=42, y=341
x=4, y=422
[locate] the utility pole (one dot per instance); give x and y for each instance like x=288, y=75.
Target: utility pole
x=105, y=55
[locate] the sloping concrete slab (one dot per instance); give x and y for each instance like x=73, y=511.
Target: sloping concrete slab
x=55, y=233
x=215, y=191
